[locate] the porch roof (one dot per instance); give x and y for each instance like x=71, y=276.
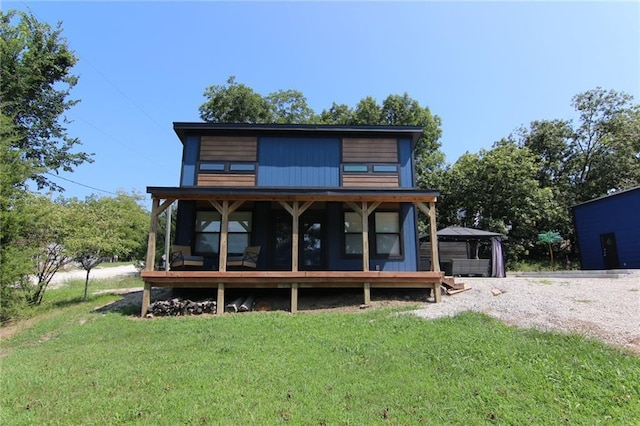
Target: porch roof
x=293, y=194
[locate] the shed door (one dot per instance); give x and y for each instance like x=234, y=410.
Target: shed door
x=609, y=251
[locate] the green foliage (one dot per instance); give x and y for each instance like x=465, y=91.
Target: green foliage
x=76, y=367
x=497, y=190
x=35, y=82
x=105, y=227
x=234, y=103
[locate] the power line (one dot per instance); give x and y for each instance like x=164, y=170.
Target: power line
x=81, y=184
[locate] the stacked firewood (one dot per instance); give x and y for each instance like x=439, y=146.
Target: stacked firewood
x=177, y=306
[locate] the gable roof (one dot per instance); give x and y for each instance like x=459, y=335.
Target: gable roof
x=184, y=129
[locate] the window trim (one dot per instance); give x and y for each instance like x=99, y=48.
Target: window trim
x=219, y=232
x=373, y=237
x=227, y=167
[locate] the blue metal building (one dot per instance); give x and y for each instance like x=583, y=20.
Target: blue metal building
x=608, y=231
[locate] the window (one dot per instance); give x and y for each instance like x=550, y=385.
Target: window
x=352, y=233
x=221, y=167
x=387, y=233
x=349, y=168
x=207, y=240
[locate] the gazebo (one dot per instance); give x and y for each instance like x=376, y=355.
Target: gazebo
x=458, y=247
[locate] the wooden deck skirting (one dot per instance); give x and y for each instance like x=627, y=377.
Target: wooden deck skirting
x=288, y=279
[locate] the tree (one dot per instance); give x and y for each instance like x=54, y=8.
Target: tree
x=497, y=190
x=289, y=107
x=234, y=103
x=105, y=227
x=35, y=82
x=605, y=151
x=550, y=238
x=47, y=229
x=15, y=255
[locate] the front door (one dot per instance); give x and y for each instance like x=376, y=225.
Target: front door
x=310, y=242
x=609, y=251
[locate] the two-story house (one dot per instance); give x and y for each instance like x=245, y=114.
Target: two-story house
x=327, y=206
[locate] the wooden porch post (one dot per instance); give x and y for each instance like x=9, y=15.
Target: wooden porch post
x=295, y=211
x=294, y=298
x=224, y=241
x=151, y=255
x=153, y=230
x=167, y=240
x=220, y=299
x=433, y=235
x=365, y=236
x=225, y=211
x=430, y=212
x=295, y=214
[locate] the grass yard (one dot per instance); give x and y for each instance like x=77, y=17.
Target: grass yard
x=73, y=366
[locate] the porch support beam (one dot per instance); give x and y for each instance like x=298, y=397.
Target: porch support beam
x=295, y=210
x=364, y=211
x=367, y=293
x=430, y=212
x=294, y=298
x=220, y=299
x=151, y=242
x=146, y=299
x=224, y=236
x=162, y=207
x=225, y=211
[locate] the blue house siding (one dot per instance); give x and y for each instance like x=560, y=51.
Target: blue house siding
x=298, y=162
x=190, y=160
x=406, y=163
x=617, y=214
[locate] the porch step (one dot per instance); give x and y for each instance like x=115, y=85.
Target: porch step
x=451, y=283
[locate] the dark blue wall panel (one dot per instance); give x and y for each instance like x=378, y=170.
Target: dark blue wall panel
x=406, y=163
x=189, y=160
x=618, y=214
x=299, y=162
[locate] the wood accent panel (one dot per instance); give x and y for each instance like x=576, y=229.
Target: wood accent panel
x=369, y=150
x=371, y=181
x=226, y=179
x=222, y=148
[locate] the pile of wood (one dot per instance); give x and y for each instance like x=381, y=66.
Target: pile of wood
x=177, y=306
x=241, y=304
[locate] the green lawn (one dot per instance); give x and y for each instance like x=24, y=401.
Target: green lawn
x=74, y=366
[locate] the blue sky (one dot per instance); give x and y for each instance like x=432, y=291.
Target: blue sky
x=485, y=68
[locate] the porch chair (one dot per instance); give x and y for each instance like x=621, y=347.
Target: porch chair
x=181, y=257
x=249, y=258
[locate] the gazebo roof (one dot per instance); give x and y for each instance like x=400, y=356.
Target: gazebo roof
x=462, y=233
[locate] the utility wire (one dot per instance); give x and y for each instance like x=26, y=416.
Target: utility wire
x=81, y=184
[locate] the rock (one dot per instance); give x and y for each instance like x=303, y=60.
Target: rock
x=496, y=292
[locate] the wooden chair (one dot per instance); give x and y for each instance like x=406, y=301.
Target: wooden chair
x=181, y=257
x=249, y=258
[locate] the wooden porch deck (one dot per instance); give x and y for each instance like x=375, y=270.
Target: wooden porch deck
x=289, y=279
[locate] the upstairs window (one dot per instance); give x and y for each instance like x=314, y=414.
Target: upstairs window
x=227, y=167
x=374, y=168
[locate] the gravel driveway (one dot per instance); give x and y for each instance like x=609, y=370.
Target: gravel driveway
x=604, y=308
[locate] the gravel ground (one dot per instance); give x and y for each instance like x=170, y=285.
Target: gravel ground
x=96, y=274
x=604, y=308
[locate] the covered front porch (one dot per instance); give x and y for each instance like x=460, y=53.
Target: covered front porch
x=328, y=258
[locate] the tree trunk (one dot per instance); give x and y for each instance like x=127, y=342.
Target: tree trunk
x=86, y=285
x=551, y=255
